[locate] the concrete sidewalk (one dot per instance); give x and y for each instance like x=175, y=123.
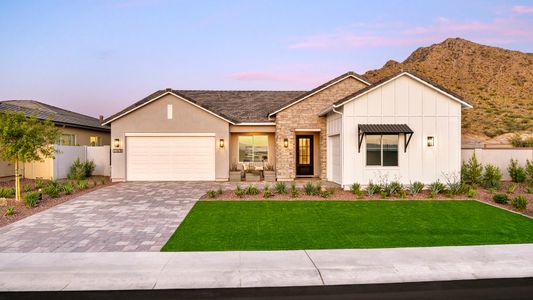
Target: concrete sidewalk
x=149, y=270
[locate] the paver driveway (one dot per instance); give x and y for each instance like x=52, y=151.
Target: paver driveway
x=133, y=216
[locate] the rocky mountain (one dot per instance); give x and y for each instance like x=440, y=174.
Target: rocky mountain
x=498, y=82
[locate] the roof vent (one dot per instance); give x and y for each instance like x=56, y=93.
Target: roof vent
x=168, y=89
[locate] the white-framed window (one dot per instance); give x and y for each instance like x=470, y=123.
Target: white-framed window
x=253, y=148
x=95, y=141
x=382, y=150
x=67, y=140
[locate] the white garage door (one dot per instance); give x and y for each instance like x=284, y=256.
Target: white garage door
x=336, y=158
x=170, y=158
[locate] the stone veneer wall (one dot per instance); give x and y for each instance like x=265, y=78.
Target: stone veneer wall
x=304, y=115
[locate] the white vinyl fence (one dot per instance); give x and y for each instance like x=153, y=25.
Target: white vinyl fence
x=58, y=167
x=499, y=157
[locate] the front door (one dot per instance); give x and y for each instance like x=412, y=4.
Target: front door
x=304, y=155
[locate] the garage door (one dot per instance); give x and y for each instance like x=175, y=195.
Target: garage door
x=170, y=158
x=336, y=158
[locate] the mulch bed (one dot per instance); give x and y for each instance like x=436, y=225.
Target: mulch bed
x=22, y=211
x=483, y=195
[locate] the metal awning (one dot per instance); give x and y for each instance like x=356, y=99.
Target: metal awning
x=385, y=129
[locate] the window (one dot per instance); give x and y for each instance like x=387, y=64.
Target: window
x=67, y=140
x=96, y=141
x=253, y=148
x=382, y=150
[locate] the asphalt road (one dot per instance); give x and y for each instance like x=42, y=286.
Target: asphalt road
x=519, y=288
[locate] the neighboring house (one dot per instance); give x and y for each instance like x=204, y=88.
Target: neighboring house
x=77, y=129
x=323, y=133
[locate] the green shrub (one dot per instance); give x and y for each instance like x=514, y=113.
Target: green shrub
x=280, y=187
x=39, y=183
x=88, y=168
x=7, y=192
x=529, y=190
x=67, y=188
x=436, y=187
x=516, y=172
x=471, y=193
x=10, y=210
x=355, y=188
x=529, y=172
x=511, y=188
x=372, y=188
x=266, y=191
x=82, y=184
x=79, y=170
x=391, y=188
x=27, y=188
x=384, y=194
x=310, y=189
x=251, y=190
x=500, y=198
x=32, y=199
x=294, y=191
x=324, y=193
x=415, y=187
x=492, y=177
x=519, y=202
x=471, y=171
x=239, y=192
x=453, y=184
x=212, y=193
x=52, y=190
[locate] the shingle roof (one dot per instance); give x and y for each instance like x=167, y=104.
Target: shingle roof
x=377, y=83
x=57, y=115
x=235, y=106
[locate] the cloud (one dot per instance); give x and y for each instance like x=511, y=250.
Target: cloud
x=523, y=9
x=498, y=30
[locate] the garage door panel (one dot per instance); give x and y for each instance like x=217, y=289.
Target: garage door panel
x=170, y=158
x=336, y=158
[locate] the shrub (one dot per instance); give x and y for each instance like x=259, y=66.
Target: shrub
x=415, y=187
x=27, y=187
x=310, y=189
x=383, y=194
x=519, y=202
x=239, y=192
x=453, y=183
x=39, y=183
x=511, y=188
x=471, y=193
x=436, y=187
x=88, y=168
x=68, y=188
x=372, y=188
x=10, y=210
x=212, y=193
x=516, y=172
x=529, y=190
x=492, y=177
x=529, y=171
x=32, y=199
x=220, y=191
x=266, y=192
x=7, y=192
x=52, y=190
x=500, y=198
x=79, y=170
x=251, y=190
x=82, y=184
x=294, y=191
x=355, y=188
x=394, y=187
x=280, y=187
x=471, y=172
x=324, y=193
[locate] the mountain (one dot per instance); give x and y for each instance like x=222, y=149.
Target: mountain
x=498, y=82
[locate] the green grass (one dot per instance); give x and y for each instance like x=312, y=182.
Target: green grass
x=277, y=225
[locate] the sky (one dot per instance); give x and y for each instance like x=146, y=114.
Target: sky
x=96, y=57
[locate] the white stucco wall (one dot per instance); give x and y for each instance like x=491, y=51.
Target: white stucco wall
x=426, y=111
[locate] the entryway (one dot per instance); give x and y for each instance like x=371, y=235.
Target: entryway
x=304, y=155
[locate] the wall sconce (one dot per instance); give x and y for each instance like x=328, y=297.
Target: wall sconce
x=221, y=143
x=116, y=143
x=431, y=141
x=286, y=143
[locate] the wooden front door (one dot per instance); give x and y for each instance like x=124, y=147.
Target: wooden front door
x=304, y=155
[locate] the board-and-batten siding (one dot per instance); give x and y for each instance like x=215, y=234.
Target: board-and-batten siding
x=426, y=111
x=334, y=125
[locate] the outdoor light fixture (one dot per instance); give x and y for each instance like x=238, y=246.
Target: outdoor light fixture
x=286, y=143
x=431, y=141
x=116, y=143
x=221, y=143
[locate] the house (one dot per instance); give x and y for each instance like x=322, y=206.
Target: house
x=76, y=129
x=346, y=130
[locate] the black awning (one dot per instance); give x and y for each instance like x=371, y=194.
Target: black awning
x=385, y=129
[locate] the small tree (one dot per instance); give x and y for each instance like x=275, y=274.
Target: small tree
x=25, y=139
x=472, y=171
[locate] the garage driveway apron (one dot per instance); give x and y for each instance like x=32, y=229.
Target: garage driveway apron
x=133, y=216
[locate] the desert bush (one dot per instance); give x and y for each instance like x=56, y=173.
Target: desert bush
x=79, y=170
x=500, y=198
x=436, y=187
x=212, y=193
x=251, y=190
x=511, y=188
x=27, y=187
x=39, y=183
x=516, y=172
x=239, y=191
x=492, y=177
x=310, y=189
x=294, y=191
x=355, y=188
x=471, y=193
x=454, y=184
x=519, y=202
x=52, y=190
x=82, y=184
x=266, y=192
x=471, y=172
x=281, y=187
x=89, y=167
x=324, y=193
x=32, y=199
x=517, y=141
x=7, y=192
x=394, y=187
x=415, y=187
x=68, y=188
x=529, y=172
x=372, y=188
x=10, y=210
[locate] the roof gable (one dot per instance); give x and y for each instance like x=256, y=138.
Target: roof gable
x=411, y=75
x=319, y=89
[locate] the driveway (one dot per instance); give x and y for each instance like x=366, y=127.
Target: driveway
x=133, y=216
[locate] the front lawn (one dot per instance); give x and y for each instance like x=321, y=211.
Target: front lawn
x=281, y=225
